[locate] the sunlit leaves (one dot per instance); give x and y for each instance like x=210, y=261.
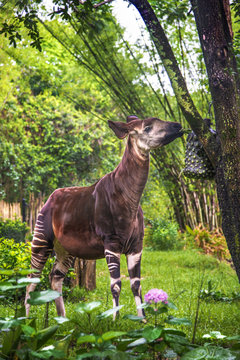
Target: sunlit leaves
x=42, y=297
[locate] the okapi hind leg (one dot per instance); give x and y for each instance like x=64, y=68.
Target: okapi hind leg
x=60, y=268
x=40, y=251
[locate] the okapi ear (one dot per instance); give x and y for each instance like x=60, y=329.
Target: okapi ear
x=121, y=129
x=132, y=117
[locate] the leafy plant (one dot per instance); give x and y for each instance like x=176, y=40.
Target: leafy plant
x=14, y=255
x=158, y=338
x=162, y=234
x=211, y=242
x=13, y=229
x=212, y=351
x=212, y=294
x=17, y=257
x=20, y=337
x=209, y=352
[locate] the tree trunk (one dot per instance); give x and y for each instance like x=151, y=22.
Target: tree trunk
x=215, y=33
x=85, y=271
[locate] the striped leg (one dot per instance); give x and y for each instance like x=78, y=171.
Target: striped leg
x=113, y=262
x=60, y=268
x=40, y=252
x=134, y=270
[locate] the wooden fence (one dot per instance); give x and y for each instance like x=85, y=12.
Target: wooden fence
x=14, y=211
x=10, y=211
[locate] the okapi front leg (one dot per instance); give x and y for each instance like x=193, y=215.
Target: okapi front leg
x=134, y=270
x=113, y=262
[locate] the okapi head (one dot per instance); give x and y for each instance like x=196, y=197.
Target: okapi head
x=147, y=134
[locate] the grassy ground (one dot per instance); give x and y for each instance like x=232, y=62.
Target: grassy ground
x=181, y=274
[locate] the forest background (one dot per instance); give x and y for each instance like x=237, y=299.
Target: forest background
x=55, y=105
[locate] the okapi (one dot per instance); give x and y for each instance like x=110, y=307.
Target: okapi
x=104, y=219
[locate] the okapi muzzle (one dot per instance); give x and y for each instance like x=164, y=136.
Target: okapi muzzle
x=104, y=219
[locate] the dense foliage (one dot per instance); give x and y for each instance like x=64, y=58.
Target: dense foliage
x=13, y=229
x=17, y=257
x=47, y=140
x=162, y=234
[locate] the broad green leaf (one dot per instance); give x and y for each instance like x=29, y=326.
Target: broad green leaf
x=176, y=339
x=7, y=286
x=174, y=332
x=112, y=334
x=61, y=319
x=209, y=353
x=237, y=338
x=28, y=330
x=9, y=323
x=152, y=333
x=134, y=317
x=109, y=312
x=88, y=308
x=25, y=272
x=11, y=340
x=171, y=305
x=63, y=344
x=50, y=353
x=7, y=272
x=44, y=335
x=42, y=297
x=178, y=321
x=86, y=339
x=189, y=230
x=138, y=342
x=28, y=281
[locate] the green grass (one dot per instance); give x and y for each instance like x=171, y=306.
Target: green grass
x=181, y=274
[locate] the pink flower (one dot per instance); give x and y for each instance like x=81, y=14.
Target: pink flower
x=156, y=295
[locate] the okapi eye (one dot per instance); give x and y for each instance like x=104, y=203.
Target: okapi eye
x=147, y=129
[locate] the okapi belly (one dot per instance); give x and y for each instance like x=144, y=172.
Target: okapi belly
x=83, y=248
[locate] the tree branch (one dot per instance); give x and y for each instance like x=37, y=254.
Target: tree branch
x=102, y=3
x=177, y=80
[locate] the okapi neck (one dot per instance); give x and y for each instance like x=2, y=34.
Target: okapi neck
x=132, y=174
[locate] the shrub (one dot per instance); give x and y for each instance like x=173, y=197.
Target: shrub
x=13, y=229
x=14, y=255
x=162, y=234
x=211, y=242
x=17, y=256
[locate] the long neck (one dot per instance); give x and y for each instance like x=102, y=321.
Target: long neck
x=131, y=174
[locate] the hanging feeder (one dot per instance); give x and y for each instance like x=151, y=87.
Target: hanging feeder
x=197, y=163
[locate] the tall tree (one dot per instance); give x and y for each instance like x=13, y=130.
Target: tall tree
x=213, y=20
